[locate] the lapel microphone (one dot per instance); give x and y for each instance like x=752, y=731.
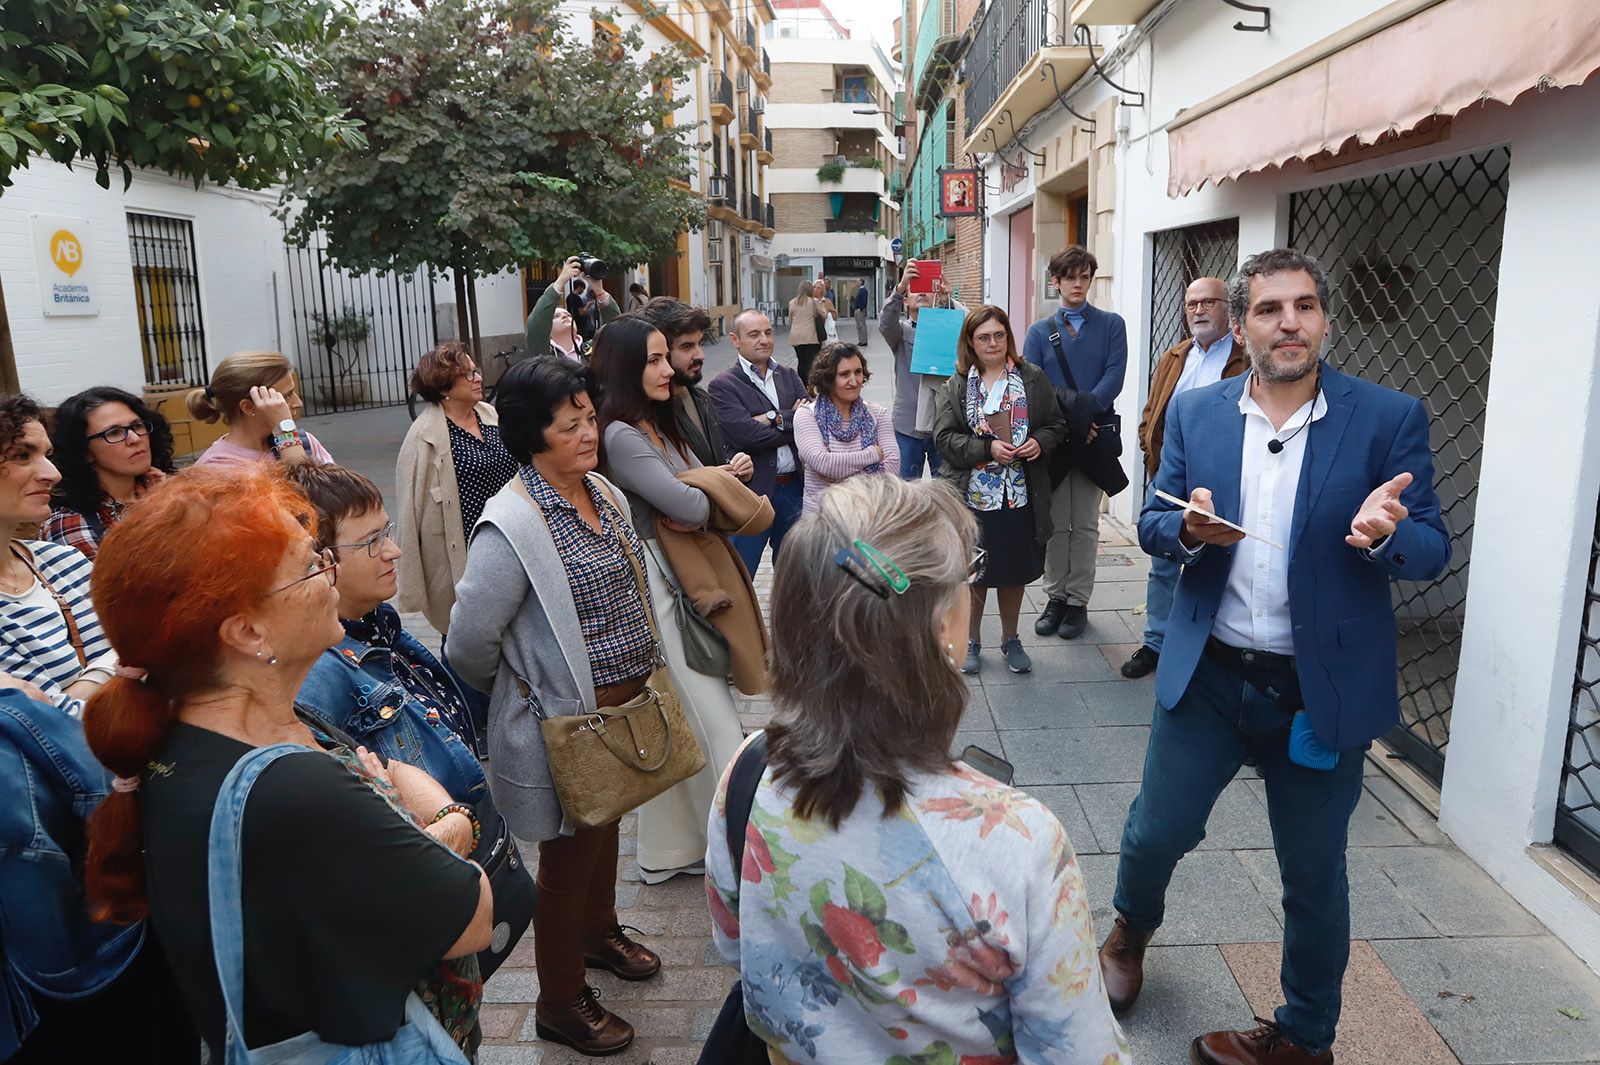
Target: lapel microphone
x=1275, y=445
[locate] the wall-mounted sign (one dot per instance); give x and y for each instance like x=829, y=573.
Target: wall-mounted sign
x=849, y=264
x=958, y=193
x=65, y=253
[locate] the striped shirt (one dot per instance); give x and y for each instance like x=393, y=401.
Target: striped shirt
x=616, y=632
x=35, y=644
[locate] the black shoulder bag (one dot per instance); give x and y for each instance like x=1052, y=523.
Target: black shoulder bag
x=1098, y=459
x=731, y=1042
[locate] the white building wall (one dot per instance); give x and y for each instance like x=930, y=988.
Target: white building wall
x=242, y=268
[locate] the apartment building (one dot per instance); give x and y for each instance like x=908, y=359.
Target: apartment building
x=836, y=154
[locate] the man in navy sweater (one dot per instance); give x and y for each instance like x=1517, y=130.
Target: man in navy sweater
x=1093, y=344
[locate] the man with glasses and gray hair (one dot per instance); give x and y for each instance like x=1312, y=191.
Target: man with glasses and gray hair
x=1207, y=356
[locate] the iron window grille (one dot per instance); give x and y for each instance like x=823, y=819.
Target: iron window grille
x=166, y=284
x=1577, y=826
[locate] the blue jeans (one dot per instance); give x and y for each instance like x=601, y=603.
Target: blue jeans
x=787, y=500
x=913, y=451
x=1158, y=592
x=1195, y=750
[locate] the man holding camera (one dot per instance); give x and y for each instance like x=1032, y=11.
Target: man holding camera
x=581, y=276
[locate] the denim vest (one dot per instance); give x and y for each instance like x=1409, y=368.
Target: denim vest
x=356, y=687
x=421, y=1040
x=49, y=944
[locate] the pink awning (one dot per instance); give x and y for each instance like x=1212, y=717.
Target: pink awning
x=1385, y=74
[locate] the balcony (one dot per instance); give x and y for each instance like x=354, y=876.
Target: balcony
x=755, y=210
x=745, y=43
x=938, y=40
x=720, y=11
x=750, y=131
x=764, y=152
x=772, y=217
x=721, y=94
x=1111, y=12
x=763, y=72
x=1014, y=71
x=855, y=224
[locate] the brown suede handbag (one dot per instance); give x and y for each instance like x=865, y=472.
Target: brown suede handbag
x=615, y=760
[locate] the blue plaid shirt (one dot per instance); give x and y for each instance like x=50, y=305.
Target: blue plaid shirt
x=616, y=631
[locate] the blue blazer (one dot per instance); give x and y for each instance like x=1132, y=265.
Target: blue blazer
x=738, y=400
x=1343, y=623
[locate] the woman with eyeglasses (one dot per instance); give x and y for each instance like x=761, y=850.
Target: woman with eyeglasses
x=51, y=645
x=890, y=903
x=110, y=449
x=995, y=422
x=347, y=910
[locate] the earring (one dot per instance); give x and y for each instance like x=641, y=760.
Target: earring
x=272, y=660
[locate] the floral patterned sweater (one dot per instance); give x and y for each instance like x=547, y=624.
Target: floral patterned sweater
x=954, y=933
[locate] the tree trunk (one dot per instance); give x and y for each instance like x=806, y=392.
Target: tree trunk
x=472, y=304
x=9, y=381
x=463, y=330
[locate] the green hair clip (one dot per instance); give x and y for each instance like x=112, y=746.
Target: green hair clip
x=893, y=575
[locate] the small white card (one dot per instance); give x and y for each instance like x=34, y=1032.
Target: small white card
x=1186, y=505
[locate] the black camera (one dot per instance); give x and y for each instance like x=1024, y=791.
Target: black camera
x=592, y=267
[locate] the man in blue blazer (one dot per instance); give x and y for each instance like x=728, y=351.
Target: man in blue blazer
x=1280, y=645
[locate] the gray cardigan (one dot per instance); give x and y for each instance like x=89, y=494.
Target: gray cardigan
x=649, y=476
x=514, y=617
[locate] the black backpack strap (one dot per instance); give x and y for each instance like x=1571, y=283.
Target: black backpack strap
x=748, y=769
x=1061, y=358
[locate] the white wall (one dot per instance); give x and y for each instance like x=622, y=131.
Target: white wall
x=238, y=244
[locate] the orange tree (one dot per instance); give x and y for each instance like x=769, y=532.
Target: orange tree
x=495, y=136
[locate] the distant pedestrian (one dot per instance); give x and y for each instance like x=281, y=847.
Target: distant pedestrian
x=822, y=292
x=914, y=394
x=637, y=298
x=1209, y=355
x=257, y=395
x=839, y=434
x=1091, y=348
x=995, y=423
x=895, y=904
x=1282, y=651
x=110, y=449
x=805, y=328
x=859, y=309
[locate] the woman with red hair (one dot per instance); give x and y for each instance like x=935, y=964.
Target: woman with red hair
x=337, y=920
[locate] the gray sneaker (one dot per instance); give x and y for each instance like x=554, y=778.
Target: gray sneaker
x=1017, y=660
x=970, y=666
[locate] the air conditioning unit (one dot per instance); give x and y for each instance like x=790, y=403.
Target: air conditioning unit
x=758, y=104
x=717, y=187
x=714, y=251
x=742, y=82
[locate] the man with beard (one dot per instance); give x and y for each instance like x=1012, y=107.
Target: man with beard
x=1280, y=645
x=685, y=327
x=1209, y=355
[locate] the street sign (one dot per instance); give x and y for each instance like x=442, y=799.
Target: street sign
x=895, y=245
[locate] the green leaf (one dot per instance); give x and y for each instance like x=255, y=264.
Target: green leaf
x=894, y=936
x=1571, y=1013
x=863, y=895
x=105, y=111
x=8, y=146
x=820, y=897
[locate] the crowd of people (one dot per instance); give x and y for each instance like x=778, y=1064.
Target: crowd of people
x=275, y=818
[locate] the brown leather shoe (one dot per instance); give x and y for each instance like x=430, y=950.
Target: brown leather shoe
x=1122, y=965
x=584, y=1025
x=620, y=956
x=1262, y=1045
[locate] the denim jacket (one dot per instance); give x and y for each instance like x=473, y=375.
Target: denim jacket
x=48, y=943
x=356, y=686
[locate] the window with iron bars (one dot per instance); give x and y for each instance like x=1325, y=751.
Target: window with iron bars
x=166, y=284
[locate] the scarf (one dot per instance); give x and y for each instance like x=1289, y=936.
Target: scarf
x=858, y=429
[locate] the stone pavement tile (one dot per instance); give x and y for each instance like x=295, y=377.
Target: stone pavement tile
x=688, y=985
x=1456, y=896
x=988, y=739
x=1034, y=706
x=1120, y=702
x=1372, y=825
x=512, y=986
x=1496, y=1000
x=500, y=1022
x=1238, y=821
x=1379, y=1024
x=1077, y=755
x=679, y=892
x=1378, y=909
x=1187, y=991
x=976, y=716
x=1117, y=653
x=1406, y=810
x=1118, y=595
x=1063, y=802
x=1211, y=900
x=1068, y=661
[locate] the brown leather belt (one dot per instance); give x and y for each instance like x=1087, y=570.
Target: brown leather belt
x=785, y=478
x=618, y=693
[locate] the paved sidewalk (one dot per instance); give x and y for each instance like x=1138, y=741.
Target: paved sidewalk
x=1445, y=967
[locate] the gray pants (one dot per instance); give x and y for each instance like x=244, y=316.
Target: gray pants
x=1069, y=556
x=861, y=328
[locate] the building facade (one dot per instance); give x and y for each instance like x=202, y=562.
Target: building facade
x=836, y=151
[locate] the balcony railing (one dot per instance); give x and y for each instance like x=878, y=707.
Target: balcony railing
x=1009, y=35
x=772, y=217
x=862, y=224
x=755, y=210
x=750, y=35
x=721, y=89
x=766, y=63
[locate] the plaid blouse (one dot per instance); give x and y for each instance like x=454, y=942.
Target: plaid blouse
x=616, y=632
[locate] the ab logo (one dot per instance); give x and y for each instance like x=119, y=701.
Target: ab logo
x=66, y=251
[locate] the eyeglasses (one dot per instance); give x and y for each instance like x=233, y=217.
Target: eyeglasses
x=1202, y=305
x=372, y=544
x=322, y=562
x=118, y=433
x=473, y=374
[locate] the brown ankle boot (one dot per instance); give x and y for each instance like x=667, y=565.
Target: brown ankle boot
x=1122, y=965
x=619, y=955
x=1263, y=1045
x=584, y=1025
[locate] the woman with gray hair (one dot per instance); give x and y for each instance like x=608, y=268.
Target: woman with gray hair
x=891, y=902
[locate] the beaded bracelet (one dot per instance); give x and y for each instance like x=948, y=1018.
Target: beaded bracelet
x=466, y=811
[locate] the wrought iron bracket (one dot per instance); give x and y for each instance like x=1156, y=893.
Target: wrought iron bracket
x=1081, y=35
x=1259, y=9
x=1055, y=83
x=1038, y=157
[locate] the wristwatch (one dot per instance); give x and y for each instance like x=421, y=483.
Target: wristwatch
x=286, y=435
x=286, y=427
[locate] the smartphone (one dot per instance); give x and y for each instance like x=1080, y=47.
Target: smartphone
x=990, y=765
x=928, y=271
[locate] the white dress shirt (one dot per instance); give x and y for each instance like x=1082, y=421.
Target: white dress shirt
x=1204, y=366
x=1254, y=610
x=769, y=385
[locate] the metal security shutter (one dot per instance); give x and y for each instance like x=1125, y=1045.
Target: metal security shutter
x=1578, y=805
x=166, y=286
x=358, y=335
x=1414, y=259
